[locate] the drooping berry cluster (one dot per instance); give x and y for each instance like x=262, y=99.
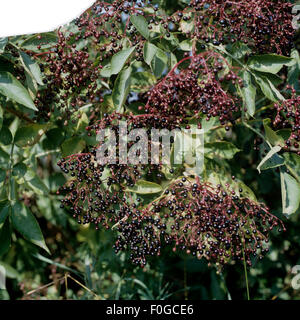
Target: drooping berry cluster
x=288, y=116
x=201, y=89
x=85, y=196
x=264, y=25
x=97, y=187
x=200, y=219
x=71, y=80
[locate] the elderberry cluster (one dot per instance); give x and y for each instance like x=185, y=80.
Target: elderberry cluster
x=71, y=81
x=200, y=219
x=96, y=190
x=201, y=89
x=264, y=25
x=288, y=116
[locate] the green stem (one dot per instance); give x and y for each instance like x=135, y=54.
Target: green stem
x=260, y=101
x=228, y=293
x=258, y=133
x=10, y=198
x=245, y=270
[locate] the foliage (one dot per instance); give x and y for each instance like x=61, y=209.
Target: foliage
x=228, y=68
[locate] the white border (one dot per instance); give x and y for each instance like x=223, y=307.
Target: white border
x=18, y=17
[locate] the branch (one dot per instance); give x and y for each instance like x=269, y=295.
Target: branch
x=19, y=115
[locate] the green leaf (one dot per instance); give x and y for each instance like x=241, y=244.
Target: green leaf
x=271, y=135
x=149, y=52
x=141, y=25
x=29, y=135
x=5, y=136
x=82, y=122
x=294, y=70
x=239, y=50
x=159, y=63
x=19, y=169
x=2, y=175
x=54, y=263
x=249, y=93
x=11, y=273
x=284, y=134
x=54, y=139
x=220, y=176
x=119, y=59
x=268, y=88
x=187, y=26
x=1, y=117
x=166, y=171
x=5, y=237
x=4, y=211
x=273, y=78
x=121, y=89
x=168, y=44
x=292, y=162
x=3, y=43
x=106, y=71
x=55, y=181
x=271, y=160
x=246, y=191
x=31, y=67
x=14, y=90
x=72, y=146
x=290, y=190
x=4, y=159
x=25, y=223
x=173, y=60
x=31, y=84
x=145, y=187
x=274, y=162
x=222, y=149
x=207, y=125
x=7, y=62
x=186, y=45
x=34, y=182
x=38, y=186
x=45, y=40
x=271, y=63
x=142, y=81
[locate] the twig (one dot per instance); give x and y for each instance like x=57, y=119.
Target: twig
x=19, y=115
x=65, y=278
x=44, y=287
x=84, y=287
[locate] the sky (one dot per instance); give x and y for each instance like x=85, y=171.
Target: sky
x=18, y=17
